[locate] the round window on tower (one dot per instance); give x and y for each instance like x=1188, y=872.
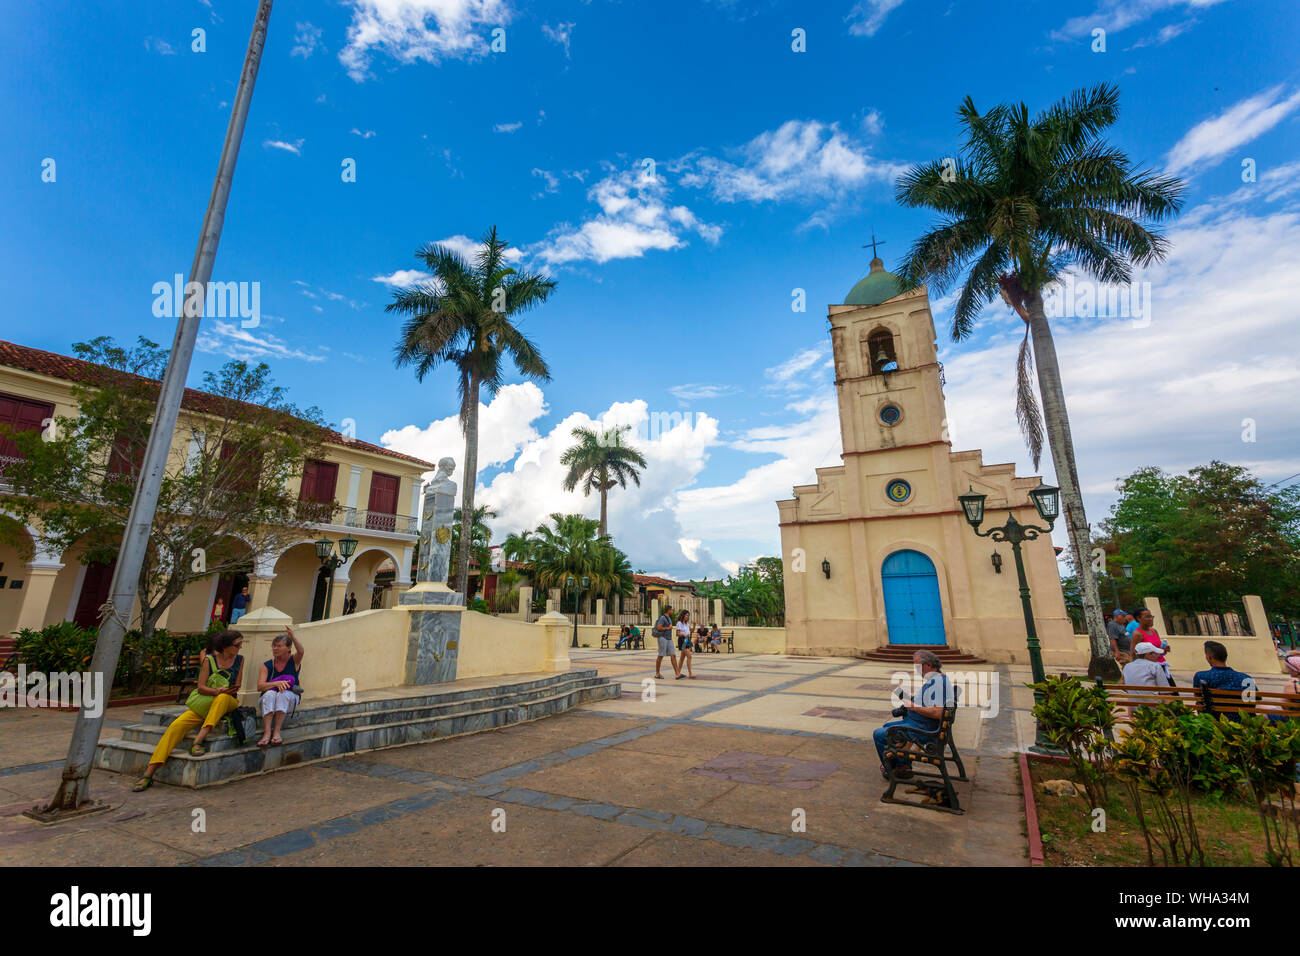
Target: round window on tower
x=890, y=414
x=898, y=490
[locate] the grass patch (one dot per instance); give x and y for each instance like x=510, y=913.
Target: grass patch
x=1230, y=829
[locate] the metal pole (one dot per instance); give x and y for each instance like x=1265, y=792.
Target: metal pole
x=1035, y=655
x=329, y=590
x=73, y=790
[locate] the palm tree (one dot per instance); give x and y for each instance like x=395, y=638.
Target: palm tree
x=600, y=461
x=574, y=547
x=1028, y=198
x=480, y=540
x=463, y=317
x=519, y=547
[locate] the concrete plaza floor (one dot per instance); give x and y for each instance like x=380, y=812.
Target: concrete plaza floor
x=712, y=771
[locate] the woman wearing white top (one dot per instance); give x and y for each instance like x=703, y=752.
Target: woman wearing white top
x=684, y=643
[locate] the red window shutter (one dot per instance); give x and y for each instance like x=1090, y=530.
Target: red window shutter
x=383, y=502
x=22, y=415
x=319, y=480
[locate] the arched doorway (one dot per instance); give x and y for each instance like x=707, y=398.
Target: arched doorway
x=913, y=611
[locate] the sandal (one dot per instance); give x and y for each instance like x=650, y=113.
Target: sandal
x=144, y=783
x=198, y=750
x=264, y=741
x=276, y=740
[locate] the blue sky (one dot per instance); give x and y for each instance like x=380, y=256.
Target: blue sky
x=771, y=168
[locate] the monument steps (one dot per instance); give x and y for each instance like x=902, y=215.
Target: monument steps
x=331, y=730
x=902, y=654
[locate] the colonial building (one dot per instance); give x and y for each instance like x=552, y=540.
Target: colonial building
x=877, y=552
x=375, y=493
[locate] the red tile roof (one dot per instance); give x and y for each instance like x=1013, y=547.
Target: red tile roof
x=88, y=373
x=657, y=581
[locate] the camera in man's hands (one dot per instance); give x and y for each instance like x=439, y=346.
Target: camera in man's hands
x=898, y=712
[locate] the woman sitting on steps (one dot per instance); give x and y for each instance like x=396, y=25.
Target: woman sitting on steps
x=278, y=685
x=216, y=695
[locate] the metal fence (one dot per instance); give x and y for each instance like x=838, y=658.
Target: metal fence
x=1188, y=616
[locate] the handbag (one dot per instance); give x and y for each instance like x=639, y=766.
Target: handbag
x=201, y=703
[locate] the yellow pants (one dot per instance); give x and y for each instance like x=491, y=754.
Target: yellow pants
x=182, y=725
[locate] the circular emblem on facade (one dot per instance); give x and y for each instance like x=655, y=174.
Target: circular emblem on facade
x=443, y=534
x=890, y=414
x=898, y=490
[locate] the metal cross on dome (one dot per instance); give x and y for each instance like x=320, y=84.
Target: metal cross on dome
x=873, y=243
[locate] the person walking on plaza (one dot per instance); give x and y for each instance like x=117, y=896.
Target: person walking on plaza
x=216, y=695
x=663, y=631
x=685, y=644
x=239, y=605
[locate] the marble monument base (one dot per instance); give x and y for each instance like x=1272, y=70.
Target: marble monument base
x=434, y=635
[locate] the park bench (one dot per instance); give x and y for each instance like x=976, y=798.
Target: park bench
x=612, y=634
x=728, y=641
x=1127, y=697
x=933, y=748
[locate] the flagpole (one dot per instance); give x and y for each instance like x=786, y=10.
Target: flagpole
x=73, y=794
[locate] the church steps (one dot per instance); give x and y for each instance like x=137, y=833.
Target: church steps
x=417, y=719
x=902, y=654
x=308, y=720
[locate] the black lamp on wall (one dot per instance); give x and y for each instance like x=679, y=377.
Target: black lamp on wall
x=826, y=568
x=997, y=563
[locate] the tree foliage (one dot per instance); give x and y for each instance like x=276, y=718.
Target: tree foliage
x=1209, y=536
x=599, y=461
x=218, y=505
x=572, y=546
x=467, y=316
x=756, y=591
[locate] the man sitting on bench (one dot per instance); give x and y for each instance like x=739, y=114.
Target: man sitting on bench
x=922, y=712
x=629, y=635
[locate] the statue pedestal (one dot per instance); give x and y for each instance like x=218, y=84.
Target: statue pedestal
x=433, y=637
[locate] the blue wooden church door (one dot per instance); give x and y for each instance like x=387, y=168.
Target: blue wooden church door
x=913, y=611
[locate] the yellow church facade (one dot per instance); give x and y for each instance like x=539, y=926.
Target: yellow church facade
x=877, y=552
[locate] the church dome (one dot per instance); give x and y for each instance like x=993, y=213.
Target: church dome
x=876, y=287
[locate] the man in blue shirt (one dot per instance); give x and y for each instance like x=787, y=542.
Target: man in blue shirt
x=1220, y=676
x=924, y=712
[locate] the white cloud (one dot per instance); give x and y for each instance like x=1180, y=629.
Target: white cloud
x=634, y=218
x=366, y=135
x=799, y=160
x=643, y=520
x=1214, y=138
x=410, y=31
x=505, y=427
x=1115, y=15
x=506, y=127
x=561, y=33
x=868, y=16
x=230, y=340
x=697, y=391
x=159, y=46
x=305, y=40
x=552, y=182
x=295, y=147
x=1165, y=34
x=403, y=278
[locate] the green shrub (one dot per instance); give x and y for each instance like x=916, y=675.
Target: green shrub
x=478, y=604
x=1079, y=719
x=1265, y=752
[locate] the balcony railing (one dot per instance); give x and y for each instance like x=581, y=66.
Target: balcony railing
x=375, y=521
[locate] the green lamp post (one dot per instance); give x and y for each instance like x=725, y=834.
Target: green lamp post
x=570, y=583
x=331, y=562
x=1047, y=502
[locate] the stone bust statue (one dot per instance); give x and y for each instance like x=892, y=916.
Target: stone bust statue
x=442, y=482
